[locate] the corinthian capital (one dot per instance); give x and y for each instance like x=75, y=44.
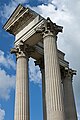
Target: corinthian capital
x=69, y=73
x=22, y=50
x=49, y=26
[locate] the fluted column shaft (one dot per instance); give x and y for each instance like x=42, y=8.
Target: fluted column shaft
x=40, y=62
x=22, y=87
x=70, y=109
x=43, y=95
x=54, y=96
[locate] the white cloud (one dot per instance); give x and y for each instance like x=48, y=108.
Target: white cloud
x=2, y=114
x=7, y=83
x=34, y=72
x=6, y=61
x=7, y=9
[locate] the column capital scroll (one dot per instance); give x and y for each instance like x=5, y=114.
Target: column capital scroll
x=69, y=73
x=22, y=50
x=49, y=28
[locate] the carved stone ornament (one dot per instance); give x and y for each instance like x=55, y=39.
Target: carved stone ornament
x=69, y=73
x=49, y=26
x=22, y=50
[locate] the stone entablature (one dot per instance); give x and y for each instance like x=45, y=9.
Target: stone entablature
x=27, y=31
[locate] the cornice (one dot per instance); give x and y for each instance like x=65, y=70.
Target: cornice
x=19, y=16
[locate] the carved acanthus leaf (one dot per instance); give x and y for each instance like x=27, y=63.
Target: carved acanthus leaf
x=22, y=49
x=49, y=26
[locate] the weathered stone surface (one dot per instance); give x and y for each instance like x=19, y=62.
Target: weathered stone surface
x=69, y=102
x=53, y=88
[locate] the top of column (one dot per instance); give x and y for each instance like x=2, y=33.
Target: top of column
x=22, y=50
x=49, y=27
x=68, y=73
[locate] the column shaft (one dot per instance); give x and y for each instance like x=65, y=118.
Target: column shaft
x=54, y=96
x=70, y=109
x=43, y=95
x=22, y=90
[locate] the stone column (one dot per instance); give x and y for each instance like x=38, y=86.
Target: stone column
x=43, y=95
x=40, y=62
x=70, y=109
x=22, y=84
x=53, y=88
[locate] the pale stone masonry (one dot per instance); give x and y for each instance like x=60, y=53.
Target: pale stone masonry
x=40, y=62
x=36, y=37
x=22, y=84
x=69, y=101
x=54, y=97
x=43, y=95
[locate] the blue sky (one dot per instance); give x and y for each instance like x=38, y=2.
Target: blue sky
x=63, y=12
